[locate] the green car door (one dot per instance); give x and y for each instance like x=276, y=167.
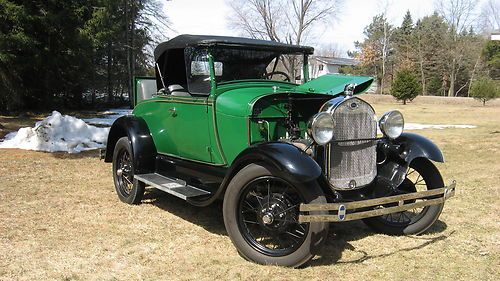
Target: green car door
x=179, y=126
x=190, y=124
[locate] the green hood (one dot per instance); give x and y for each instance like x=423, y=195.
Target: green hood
x=237, y=98
x=333, y=84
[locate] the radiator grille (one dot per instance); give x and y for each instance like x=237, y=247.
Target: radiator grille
x=352, y=158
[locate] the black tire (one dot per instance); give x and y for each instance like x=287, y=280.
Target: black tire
x=129, y=190
x=423, y=218
x=299, y=242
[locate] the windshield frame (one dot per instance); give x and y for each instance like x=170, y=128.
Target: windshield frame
x=214, y=84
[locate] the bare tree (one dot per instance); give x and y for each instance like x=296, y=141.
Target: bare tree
x=329, y=50
x=290, y=21
x=257, y=19
x=459, y=15
x=490, y=16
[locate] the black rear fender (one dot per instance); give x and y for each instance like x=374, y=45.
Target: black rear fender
x=143, y=147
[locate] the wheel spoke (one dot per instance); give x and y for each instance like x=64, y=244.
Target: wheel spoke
x=291, y=234
x=294, y=206
x=126, y=178
x=252, y=222
x=268, y=193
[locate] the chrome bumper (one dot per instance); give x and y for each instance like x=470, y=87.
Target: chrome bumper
x=348, y=211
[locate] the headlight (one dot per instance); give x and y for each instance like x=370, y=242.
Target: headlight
x=391, y=124
x=320, y=128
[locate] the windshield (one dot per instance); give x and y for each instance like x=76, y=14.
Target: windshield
x=240, y=64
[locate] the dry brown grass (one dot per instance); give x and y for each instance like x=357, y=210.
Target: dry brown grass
x=61, y=219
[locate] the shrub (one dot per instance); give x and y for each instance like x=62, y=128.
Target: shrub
x=485, y=89
x=405, y=86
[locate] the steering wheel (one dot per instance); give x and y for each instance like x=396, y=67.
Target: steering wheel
x=285, y=76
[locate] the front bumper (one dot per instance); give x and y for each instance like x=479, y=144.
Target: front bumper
x=348, y=211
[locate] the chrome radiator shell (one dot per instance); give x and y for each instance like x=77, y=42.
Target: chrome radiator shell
x=351, y=156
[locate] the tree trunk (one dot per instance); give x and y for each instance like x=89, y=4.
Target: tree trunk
x=108, y=70
x=132, y=55
x=472, y=74
x=451, y=90
x=127, y=45
x=422, y=77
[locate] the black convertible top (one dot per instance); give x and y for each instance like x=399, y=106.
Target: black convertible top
x=186, y=40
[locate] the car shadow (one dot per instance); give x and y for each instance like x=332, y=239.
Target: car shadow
x=339, y=237
x=210, y=217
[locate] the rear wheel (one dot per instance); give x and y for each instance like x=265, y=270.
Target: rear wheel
x=129, y=190
x=261, y=213
x=422, y=175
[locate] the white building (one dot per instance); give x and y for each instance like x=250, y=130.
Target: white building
x=325, y=65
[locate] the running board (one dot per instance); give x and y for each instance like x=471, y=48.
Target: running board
x=172, y=186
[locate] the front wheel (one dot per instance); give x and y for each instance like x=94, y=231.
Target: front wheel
x=422, y=175
x=261, y=213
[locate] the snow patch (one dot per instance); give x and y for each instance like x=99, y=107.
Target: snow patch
x=110, y=117
x=58, y=133
x=417, y=126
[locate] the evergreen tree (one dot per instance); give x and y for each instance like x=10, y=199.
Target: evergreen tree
x=405, y=44
x=376, y=51
x=491, y=57
x=53, y=52
x=405, y=86
x=429, y=36
x=485, y=89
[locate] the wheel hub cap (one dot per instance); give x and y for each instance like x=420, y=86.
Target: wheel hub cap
x=267, y=218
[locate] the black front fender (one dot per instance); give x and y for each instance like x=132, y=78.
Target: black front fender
x=288, y=160
x=143, y=147
x=418, y=146
x=408, y=148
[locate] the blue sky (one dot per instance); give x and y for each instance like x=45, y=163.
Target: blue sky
x=210, y=17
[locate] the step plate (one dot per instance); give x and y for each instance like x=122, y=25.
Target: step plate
x=175, y=187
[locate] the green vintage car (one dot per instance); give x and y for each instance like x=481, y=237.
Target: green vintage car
x=239, y=120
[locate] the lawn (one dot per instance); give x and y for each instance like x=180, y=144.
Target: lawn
x=61, y=219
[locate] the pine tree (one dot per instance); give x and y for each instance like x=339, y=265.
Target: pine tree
x=485, y=89
x=405, y=87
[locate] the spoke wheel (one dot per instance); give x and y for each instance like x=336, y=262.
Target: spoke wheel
x=124, y=173
x=261, y=210
x=127, y=188
x=422, y=175
x=267, y=216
